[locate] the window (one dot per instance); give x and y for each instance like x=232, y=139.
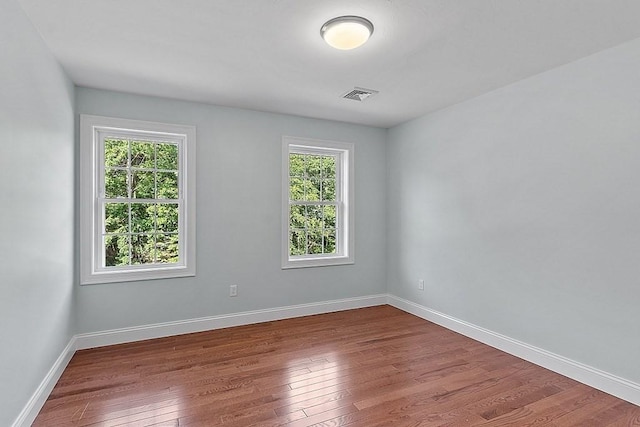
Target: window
x=317, y=195
x=137, y=196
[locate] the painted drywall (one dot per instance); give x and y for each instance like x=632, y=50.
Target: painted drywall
x=521, y=211
x=36, y=210
x=238, y=213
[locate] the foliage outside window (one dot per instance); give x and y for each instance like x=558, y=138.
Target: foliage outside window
x=141, y=206
x=137, y=199
x=312, y=207
x=317, y=215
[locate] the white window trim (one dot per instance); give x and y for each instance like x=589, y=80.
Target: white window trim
x=346, y=228
x=90, y=272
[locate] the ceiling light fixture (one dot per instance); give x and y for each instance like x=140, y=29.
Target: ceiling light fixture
x=346, y=32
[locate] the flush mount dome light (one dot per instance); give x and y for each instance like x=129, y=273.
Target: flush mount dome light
x=346, y=32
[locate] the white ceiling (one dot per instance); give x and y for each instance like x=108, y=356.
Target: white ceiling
x=268, y=55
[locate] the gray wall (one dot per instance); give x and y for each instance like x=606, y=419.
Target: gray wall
x=238, y=218
x=36, y=210
x=521, y=210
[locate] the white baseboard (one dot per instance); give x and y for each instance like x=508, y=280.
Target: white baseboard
x=585, y=374
x=39, y=397
x=159, y=330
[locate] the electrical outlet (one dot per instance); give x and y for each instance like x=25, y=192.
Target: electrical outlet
x=421, y=285
x=233, y=290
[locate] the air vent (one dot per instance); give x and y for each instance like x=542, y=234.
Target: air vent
x=359, y=94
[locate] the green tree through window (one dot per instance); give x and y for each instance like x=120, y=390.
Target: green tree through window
x=313, y=206
x=140, y=202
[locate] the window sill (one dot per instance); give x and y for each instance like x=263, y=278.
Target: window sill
x=137, y=275
x=316, y=262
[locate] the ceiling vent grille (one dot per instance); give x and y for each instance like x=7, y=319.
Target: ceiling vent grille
x=359, y=94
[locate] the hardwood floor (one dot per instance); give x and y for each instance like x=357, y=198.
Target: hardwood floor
x=368, y=367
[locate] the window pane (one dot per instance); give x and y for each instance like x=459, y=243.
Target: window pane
x=328, y=166
x=116, y=250
x=329, y=216
x=297, y=242
x=313, y=166
x=314, y=217
x=116, y=217
x=167, y=156
x=329, y=190
x=142, y=249
x=296, y=189
x=142, y=217
x=142, y=185
x=142, y=154
x=115, y=183
x=296, y=216
x=167, y=217
x=329, y=242
x=167, y=185
x=296, y=165
x=312, y=189
x=132, y=168
x=314, y=241
x=319, y=203
x=166, y=248
x=116, y=152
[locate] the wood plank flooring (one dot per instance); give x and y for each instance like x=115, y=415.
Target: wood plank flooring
x=368, y=367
